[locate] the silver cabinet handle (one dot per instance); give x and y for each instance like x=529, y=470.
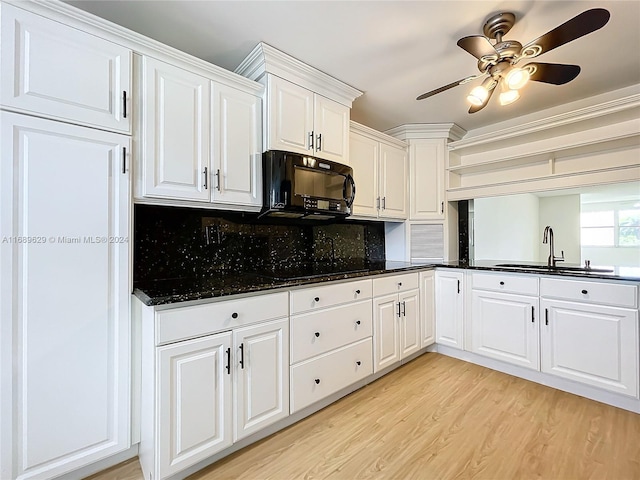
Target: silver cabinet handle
x=441, y=208
x=458, y=286
x=124, y=104
x=398, y=310
x=533, y=314
x=218, y=179
x=206, y=177
x=378, y=203
x=124, y=160
x=319, y=142
x=384, y=202
x=404, y=309
x=310, y=140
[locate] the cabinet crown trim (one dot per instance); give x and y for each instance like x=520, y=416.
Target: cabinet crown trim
x=265, y=59
x=375, y=134
x=409, y=131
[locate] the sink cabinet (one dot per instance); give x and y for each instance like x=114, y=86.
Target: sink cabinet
x=505, y=317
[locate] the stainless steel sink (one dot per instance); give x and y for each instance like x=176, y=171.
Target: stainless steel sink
x=557, y=268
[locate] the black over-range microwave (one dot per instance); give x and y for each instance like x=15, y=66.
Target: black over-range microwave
x=300, y=186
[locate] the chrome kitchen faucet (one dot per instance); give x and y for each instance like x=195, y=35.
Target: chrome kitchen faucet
x=547, y=237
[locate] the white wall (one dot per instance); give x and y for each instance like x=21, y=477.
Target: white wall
x=562, y=213
x=507, y=228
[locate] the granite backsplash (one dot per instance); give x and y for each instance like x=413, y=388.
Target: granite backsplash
x=177, y=242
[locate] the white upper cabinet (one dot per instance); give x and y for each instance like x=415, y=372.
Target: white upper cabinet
x=175, y=132
x=65, y=296
x=290, y=120
x=426, y=179
x=331, y=129
x=236, y=146
x=393, y=182
x=63, y=73
x=199, y=140
x=380, y=167
x=304, y=122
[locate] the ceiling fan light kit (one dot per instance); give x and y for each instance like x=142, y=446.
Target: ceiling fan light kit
x=498, y=60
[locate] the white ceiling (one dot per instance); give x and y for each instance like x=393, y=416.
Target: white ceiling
x=395, y=50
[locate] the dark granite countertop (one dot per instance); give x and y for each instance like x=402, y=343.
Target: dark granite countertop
x=163, y=292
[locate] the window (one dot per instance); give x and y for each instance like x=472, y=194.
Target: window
x=613, y=225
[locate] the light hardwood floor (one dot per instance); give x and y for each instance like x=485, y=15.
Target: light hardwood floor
x=441, y=418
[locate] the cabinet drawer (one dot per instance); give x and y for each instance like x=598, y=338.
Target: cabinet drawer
x=619, y=295
x=318, y=378
x=187, y=322
x=499, y=282
x=322, y=296
x=395, y=284
x=318, y=332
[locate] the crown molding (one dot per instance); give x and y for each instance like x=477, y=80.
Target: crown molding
x=265, y=59
x=375, y=134
x=414, y=131
x=87, y=22
x=553, y=122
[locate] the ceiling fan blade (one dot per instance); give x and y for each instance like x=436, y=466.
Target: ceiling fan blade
x=447, y=87
x=580, y=25
x=477, y=45
x=555, y=73
x=477, y=108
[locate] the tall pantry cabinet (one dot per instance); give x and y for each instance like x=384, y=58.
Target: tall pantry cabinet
x=64, y=252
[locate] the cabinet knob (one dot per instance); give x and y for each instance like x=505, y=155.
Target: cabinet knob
x=584, y=292
x=501, y=283
x=234, y=315
x=358, y=322
x=399, y=284
x=357, y=292
x=317, y=334
x=317, y=299
x=317, y=380
x=358, y=362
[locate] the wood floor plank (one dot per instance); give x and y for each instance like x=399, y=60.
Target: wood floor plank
x=441, y=418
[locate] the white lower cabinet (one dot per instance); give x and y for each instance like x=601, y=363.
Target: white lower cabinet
x=428, y=308
x=450, y=308
x=590, y=333
x=592, y=344
x=504, y=325
x=396, y=319
x=64, y=296
x=194, y=401
x=262, y=376
x=213, y=390
x=331, y=340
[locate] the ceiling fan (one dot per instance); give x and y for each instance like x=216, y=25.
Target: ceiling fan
x=497, y=61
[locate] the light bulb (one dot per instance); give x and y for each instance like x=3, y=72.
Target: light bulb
x=517, y=78
x=478, y=95
x=509, y=96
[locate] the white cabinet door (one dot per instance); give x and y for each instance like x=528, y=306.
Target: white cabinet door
x=262, y=380
x=410, y=322
x=364, y=160
x=428, y=308
x=386, y=334
x=175, y=132
x=58, y=71
x=236, y=147
x=505, y=327
x=393, y=182
x=194, y=401
x=449, y=308
x=426, y=158
x=331, y=130
x=591, y=344
x=290, y=117
x=64, y=276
